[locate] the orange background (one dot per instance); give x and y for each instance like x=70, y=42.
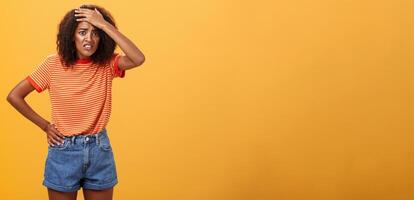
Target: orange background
x=237, y=100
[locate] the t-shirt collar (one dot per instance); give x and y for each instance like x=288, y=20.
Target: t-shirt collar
x=83, y=61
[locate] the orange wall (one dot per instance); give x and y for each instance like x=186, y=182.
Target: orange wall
x=237, y=100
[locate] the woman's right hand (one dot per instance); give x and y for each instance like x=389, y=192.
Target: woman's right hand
x=16, y=99
x=54, y=137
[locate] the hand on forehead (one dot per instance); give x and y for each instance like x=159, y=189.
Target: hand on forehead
x=85, y=25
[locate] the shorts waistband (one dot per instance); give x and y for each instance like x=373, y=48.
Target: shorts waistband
x=86, y=137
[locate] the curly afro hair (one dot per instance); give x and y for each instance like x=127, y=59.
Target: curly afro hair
x=66, y=43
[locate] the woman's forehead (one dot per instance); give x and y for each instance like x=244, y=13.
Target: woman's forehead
x=85, y=25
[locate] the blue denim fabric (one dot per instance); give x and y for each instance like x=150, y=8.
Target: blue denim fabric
x=81, y=161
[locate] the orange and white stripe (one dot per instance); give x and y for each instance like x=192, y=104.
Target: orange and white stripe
x=80, y=96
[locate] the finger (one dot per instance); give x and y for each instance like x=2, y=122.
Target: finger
x=53, y=142
x=84, y=10
x=53, y=133
x=57, y=139
x=81, y=19
x=96, y=10
x=78, y=10
x=60, y=135
x=48, y=141
x=80, y=15
x=56, y=132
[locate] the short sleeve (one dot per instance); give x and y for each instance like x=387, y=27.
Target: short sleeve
x=116, y=72
x=40, y=77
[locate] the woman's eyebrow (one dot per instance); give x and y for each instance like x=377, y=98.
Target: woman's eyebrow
x=87, y=29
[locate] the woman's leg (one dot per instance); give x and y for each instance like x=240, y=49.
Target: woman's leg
x=98, y=194
x=56, y=195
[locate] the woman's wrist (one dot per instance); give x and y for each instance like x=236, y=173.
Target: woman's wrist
x=45, y=125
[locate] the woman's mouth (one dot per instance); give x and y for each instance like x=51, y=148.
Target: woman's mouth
x=87, y=47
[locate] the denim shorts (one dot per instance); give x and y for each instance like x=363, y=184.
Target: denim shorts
x=85, y=161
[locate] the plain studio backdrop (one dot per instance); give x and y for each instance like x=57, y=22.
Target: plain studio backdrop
x=237, y=100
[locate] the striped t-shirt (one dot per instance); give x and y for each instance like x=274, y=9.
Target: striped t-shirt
x=80, y=96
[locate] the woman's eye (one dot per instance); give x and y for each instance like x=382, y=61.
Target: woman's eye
x=82, y=33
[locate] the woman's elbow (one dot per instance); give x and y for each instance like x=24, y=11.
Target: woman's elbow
x=11, y=97
x=14, y=96
x=139, y=61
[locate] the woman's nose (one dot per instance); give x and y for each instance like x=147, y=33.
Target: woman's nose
x=88, y=37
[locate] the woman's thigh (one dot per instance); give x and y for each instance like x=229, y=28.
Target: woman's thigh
x=57, y=195
x=98, y=194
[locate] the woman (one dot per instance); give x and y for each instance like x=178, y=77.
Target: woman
x=79, y=80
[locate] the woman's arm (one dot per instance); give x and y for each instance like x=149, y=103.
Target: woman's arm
x=133, y=56
x=16, y=99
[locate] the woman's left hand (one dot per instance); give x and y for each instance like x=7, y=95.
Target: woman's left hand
x=92, y=16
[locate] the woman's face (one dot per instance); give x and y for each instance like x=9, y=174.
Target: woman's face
x=86, y=40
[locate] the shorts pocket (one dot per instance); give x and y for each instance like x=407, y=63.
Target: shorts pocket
x=59, y=146
x=104, y=144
